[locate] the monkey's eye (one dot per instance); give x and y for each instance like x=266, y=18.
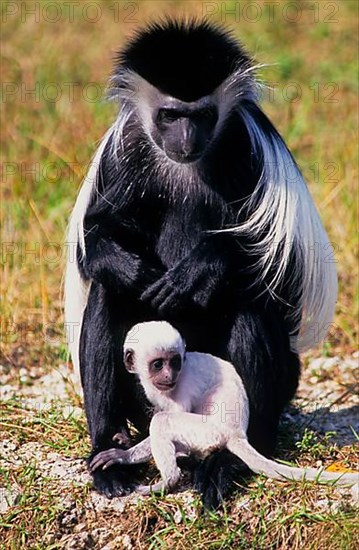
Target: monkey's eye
x=157, y=364
x=176, y=362
x=208, y=115
x=167, y=115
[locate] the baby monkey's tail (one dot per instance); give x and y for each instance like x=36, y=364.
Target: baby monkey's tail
x=261, y=465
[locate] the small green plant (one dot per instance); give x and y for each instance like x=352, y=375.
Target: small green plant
x=316, y=445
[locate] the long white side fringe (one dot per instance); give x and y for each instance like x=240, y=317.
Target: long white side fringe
x=283, y=212
x=76, y=289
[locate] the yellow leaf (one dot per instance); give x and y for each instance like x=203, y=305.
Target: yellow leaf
x=339, y=467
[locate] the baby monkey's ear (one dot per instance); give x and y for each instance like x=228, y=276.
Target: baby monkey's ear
x=129, y=360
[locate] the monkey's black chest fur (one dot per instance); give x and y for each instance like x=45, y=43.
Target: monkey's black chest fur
x=162, y=209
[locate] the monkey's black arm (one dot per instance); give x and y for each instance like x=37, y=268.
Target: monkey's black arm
x=119, y=261
x=216, y=263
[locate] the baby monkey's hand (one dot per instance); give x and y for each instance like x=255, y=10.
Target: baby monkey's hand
x=108, y=458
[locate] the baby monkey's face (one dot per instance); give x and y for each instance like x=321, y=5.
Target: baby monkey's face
x=164, y=368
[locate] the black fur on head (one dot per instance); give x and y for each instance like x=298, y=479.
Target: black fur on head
x=184, y=59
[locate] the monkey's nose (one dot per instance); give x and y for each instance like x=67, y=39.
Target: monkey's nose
x=188, y=138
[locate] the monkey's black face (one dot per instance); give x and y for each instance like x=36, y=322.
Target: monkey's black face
x=164, y=370
x=183, y=130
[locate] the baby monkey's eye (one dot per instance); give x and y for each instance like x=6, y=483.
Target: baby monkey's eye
x=157, y=364
x=176, y=362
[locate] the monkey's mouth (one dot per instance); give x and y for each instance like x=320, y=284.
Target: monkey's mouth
x=182, y=158
x=166, y=387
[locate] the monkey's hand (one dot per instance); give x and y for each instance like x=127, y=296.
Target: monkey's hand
x=195, y=279
x=108, y=458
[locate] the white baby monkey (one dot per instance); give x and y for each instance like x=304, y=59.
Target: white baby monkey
x=200, y=406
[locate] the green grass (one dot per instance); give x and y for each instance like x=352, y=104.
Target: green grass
x=46, y=146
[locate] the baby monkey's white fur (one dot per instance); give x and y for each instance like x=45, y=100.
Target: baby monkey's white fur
x=206, y=410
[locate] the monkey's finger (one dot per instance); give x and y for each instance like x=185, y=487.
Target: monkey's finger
x=112, y=462
x=152, y=291
x=102, y=458
x=151, y=277
x=104, y=464
x=96, y=463
x=171, y=304
x=164, y=297
x=159, y=289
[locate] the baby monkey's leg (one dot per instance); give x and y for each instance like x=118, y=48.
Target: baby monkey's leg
x=171, y=432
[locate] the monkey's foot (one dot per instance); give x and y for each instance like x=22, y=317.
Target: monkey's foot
x=114, y=482
x=146, y=490
x=213, y=478
x=162, y=486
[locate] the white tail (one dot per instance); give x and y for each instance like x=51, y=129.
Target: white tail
x=261, y=465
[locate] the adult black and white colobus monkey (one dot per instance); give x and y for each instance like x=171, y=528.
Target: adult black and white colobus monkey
x=194, y=211
x=201, y=405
